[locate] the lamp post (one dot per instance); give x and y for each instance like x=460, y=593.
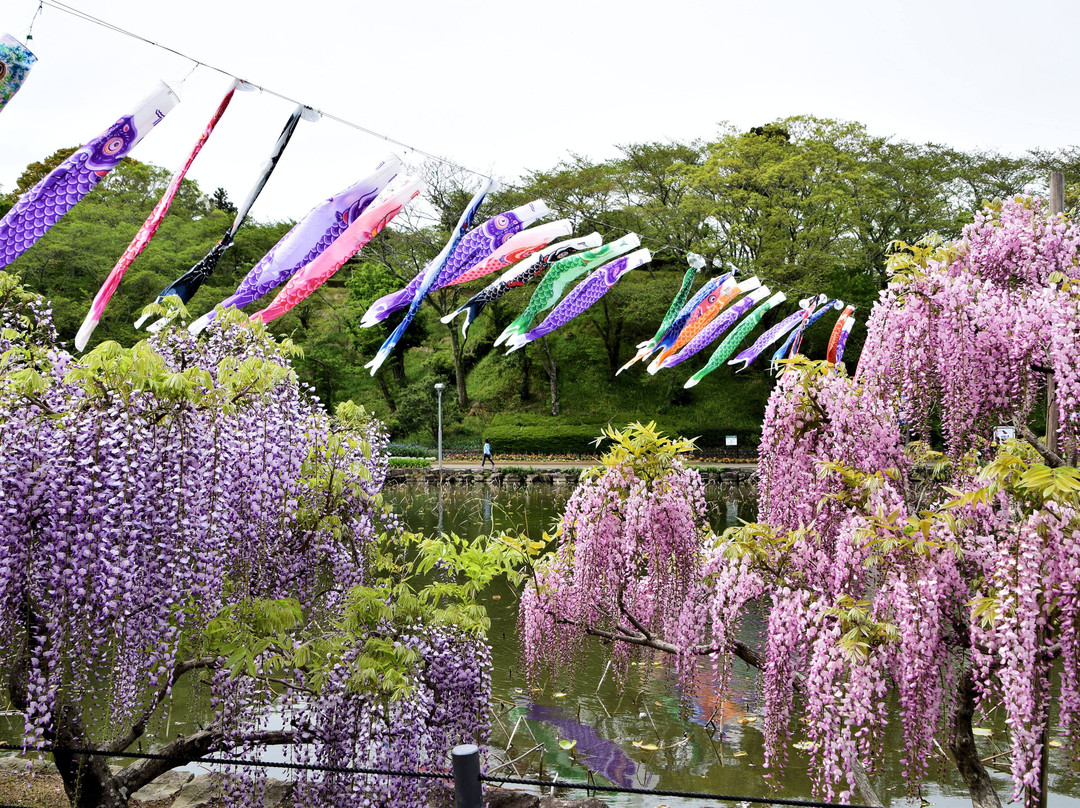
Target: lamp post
x=438, y=389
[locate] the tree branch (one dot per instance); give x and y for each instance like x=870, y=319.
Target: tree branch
x=184, y=749
x=139, y=727
x=1053, y=459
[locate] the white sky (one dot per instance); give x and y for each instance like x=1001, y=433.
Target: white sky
x=516, y=86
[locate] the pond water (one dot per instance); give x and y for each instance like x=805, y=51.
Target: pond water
x=705, y=743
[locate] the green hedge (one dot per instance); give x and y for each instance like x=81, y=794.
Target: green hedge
x=400, y=449
x=410, y=463
x=544, y=440
x=579, y=439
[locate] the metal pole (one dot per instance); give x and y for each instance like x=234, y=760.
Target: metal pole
x=439, y=389
x=467, y=790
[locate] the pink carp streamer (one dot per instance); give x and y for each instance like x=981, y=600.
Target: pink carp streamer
x=517, y=248
x=834, y=339
x=147, y=231
x=45, y=204
x=304, y=242
x=362, y=230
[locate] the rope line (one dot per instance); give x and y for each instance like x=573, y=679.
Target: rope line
x=266, y=764
x=85, y=17
x=61, y=6
x=437, y=775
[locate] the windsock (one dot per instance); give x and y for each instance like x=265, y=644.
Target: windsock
x=731, y=342
x=718, y=326
x=849, y=323
x=360, y=231
x=838, y=329
x=148, y=229
x=559, y=276
x=697, y=263
x=519, y=275
x=794, y=341
x=65, y=186
x=15, y=63
x=516, y=248
x=306, y=240
x=435, y=269
x=584, y=295
x=190, y=282
x=704, y=313
x=472, y=248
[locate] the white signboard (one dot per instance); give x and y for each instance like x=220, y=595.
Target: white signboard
x=732, y=440
x=1004, y=433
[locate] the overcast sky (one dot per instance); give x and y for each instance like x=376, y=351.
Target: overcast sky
x=508, y=87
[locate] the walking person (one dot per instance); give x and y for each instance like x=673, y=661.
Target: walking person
x=487, y=456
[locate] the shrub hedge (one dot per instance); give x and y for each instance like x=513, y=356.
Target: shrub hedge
x=410, y=463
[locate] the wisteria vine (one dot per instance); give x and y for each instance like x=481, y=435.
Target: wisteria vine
x=882, y=567
x=186, y=507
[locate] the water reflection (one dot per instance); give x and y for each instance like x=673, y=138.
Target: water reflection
x=642, y=729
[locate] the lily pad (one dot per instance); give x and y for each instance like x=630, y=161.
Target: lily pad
x=805, y=746
x=559, y=695
x=567, y=745
x=982, y=732
x=747, y=719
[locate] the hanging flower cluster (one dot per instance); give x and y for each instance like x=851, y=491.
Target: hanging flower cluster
x=966, y=330
x=186, y=506
x=948, y=580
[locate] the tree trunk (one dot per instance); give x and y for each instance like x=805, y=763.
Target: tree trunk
x=964, y=752
x=526, y=367
x=384, y=388
x=459, y=368
x=553, y=375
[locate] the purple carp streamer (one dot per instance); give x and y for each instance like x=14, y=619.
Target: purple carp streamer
x=147, y=231
x=793, y=320
x=590, y=290
x=520, y=274
x=43, y=205
x=188, y=284
x=671, y=336
x=715, y=328
x=794, y=341
x=473, y=248
x=732, y=340
x=559, y=275
x=319, y=228
x=459, y=244
x=15, y=63
x=697, y=263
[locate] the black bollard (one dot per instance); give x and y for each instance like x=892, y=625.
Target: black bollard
x=467, y=790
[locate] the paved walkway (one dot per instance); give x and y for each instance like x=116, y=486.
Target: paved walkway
x=474, y=465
